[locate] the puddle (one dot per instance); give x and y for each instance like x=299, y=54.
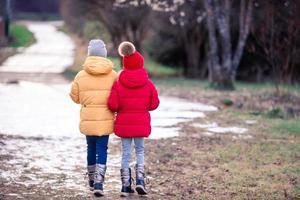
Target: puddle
x=175, y=104
x=215, y=128
x=173, y=111
x=251, y=122
x=55, y=163
x=161, y=132
x=206, y=126
x=235, y=130
x=52, y=162
x=245, y=137
x=33, y=109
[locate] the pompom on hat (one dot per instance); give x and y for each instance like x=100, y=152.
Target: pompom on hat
x=132, y=59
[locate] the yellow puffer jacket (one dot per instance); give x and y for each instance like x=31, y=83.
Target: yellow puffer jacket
x=91, y=88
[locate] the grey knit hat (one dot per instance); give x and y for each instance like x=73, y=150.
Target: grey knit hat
x=97, y=48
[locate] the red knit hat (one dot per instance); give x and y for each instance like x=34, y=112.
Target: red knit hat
x=132, y=59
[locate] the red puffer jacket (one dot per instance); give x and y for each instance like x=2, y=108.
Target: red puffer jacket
x=132, y=97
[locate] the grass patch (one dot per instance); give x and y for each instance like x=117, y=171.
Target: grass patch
x=226, y=155
x=282, y=127
x=257, y=155
x=239, y=85
x=154, y=69
x=264, y=102
x=117, y=63
x=296, y=192
x=293, y=171
x=275, y=113
x=182, y=82
x=70, y=74
x=227, y=102
x=21, y=36
x=63, y=29
x=265, y=168
x=278, y=127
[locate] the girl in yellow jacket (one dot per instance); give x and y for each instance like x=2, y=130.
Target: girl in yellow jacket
x=91, y=88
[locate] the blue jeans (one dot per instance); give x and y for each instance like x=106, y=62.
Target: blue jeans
x=126, y=151
x=97, y=149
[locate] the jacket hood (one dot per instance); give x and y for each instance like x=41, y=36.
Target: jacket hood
x=133, y=78
x=97, y=65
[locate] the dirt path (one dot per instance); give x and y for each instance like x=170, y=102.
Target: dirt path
x=42, y=149
x=45, y=60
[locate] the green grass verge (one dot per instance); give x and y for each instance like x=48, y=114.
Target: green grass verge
x=117, y=63
x=63, y=29
x=157, y=69
x=154, y=68
x=259, y=153
x=21, y=36
x=240, y=85
x=204, y=84
x=182, y=82
x=286, y=127
x=260, y=167
x=70, y=74
x=277, y=127
x=296, y=192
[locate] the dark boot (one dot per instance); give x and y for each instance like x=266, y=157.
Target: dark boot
x=140, y=180
x=99, y=180
x=91, y=174
x=126, y=182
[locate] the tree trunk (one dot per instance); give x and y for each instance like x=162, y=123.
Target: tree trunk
x=192, y=60
x=223, y=22
x=286, y=72
x=220, y=75
x=204, y=69
x=245, y=22
x=214, y=68
x=222, y=71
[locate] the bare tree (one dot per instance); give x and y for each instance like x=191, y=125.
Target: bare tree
x=188, y=18
x=74, y=13
x=224, y=59
x=276, y=32
x=124, y=20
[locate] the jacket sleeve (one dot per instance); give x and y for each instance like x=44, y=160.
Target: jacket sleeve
x=74, y=94
x=154, y=100
x=113, y=99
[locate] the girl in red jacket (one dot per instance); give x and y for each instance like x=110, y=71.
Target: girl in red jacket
x=132, y=96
